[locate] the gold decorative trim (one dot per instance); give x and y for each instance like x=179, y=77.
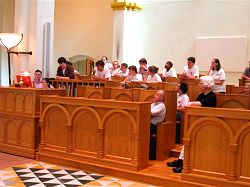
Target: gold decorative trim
x=125, y=6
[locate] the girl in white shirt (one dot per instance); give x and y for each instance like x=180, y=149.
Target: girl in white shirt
x=218, y=74
x=133, y=76
x=153, y=76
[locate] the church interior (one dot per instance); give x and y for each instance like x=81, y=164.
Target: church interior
x=97, y=132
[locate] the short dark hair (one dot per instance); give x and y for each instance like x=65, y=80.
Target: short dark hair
x=143, y=60
x=192, y=59
x=218, y=66
x=183, y=87
x=125, y=65
x=170, y=63
x=153, y=69
x=99, y=63
x=133, y=68
x=38, y=71
x=61, y=60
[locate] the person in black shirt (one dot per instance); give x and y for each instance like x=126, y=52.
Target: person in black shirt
x=206, y=99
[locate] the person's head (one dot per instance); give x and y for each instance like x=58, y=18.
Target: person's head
x=104, y=59
x=152, y=70
x=215, y=63
x=143, y=61
x=45, y=83
x=124, y=67
x=247, y=89
x=115, y=64
x=182, y=88
x=159, y=96
x=168, y=65
x=62, y=62
x=38, y=74
x=99, y=65
x=190, y=62
x=132, y=70
x=206, y=83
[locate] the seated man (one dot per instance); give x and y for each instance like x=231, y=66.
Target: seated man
x=123, y=72
x=207, y=98
x=101, y=73
x=191, y=71
x=158, y=113
x=64, y=71
x=168, y=71
x=37, y=82
x=246, y=74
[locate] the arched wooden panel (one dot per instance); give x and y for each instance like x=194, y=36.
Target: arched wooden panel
x=209, y=148
x=233, y=104
x=85, y=131
x=118, y=140
x=26, y=134
x=124, y=97
x=245, y=162
x=28, y=102
x=10, y=101
x=11, y=131
x=55, y=127
x=19, y=102
x=2, y=101
x=2, y=129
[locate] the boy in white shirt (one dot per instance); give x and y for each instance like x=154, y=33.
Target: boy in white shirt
x=191, y=71
x=101, y=73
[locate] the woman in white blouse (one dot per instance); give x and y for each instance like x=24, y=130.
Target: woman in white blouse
x=153, y=76
x=218, y=74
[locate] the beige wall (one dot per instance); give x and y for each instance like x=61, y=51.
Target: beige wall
x=7, y=14
x=83, y=28
x=171, y=28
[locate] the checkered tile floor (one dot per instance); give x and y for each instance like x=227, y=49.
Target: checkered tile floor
x=40, y=174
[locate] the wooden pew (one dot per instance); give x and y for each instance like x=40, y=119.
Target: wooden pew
x=217, y=146
x=233, y=101
x=19, y=116
x=231, y=89
x=71, y=84
x=242, y=82
x=166, y=130
x=89, y=133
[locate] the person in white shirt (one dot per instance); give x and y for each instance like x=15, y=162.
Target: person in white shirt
x=115, y=68
x=101, y=73
x=182, y=99
x=168, y=71
x=153, y=76
x=158, y=113
x=133, y=76
x=218, y=74
x=123, y=72
x=107, y=64
x=191, y=71
x=37, y=83
x=143, y=68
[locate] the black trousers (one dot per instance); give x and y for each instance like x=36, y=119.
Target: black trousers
x=152, y=146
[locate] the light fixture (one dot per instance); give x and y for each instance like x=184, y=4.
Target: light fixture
x=9, y=41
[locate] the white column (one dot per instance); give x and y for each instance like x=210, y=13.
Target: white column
x=30, y=20
x=127, y=32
